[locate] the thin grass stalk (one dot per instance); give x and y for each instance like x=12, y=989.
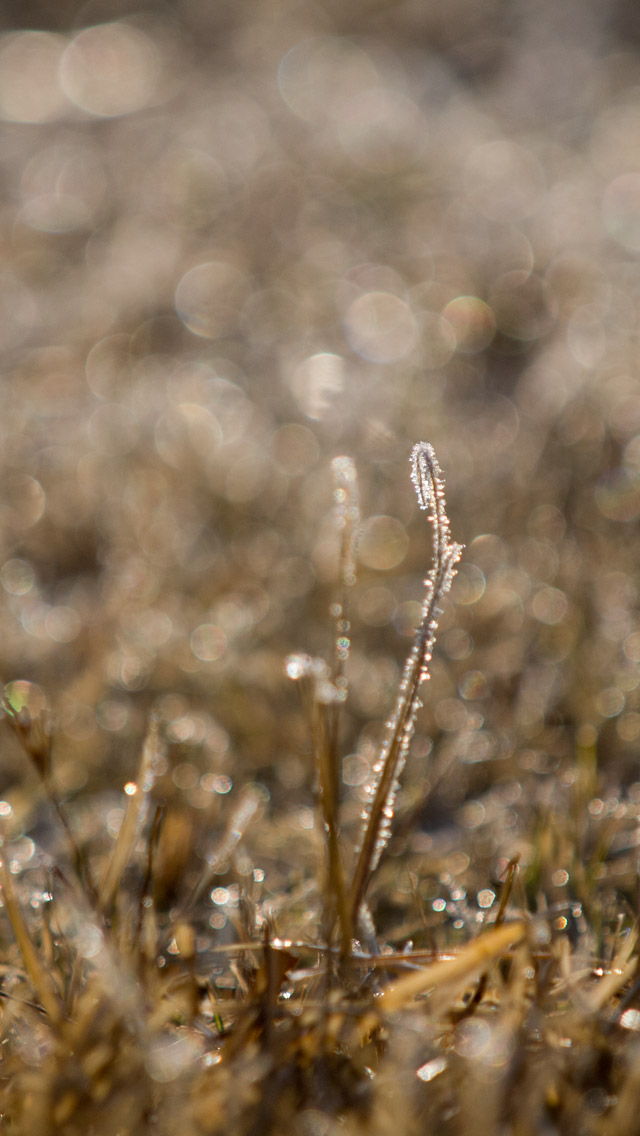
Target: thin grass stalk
x=429, y=486
x=328, y=729
x=38, y=973
x=335, y=887
x=134, y=816
x=240, y=817
x=145, y=891
x=36, y=735
x=348, y=520
x=512, y=869
x=453, y=972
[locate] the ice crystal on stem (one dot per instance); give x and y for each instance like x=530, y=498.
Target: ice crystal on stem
x=377, y=816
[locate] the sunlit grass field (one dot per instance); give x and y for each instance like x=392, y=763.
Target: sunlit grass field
x=252, y=254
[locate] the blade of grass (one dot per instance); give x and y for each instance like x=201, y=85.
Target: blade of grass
x=38, y=973
x=36, y=735
x=452, y=972
x=377, y=818
x=138, y=794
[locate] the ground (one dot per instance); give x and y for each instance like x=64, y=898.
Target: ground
x=243, y=243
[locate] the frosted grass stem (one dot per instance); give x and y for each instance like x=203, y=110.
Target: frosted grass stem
x=377, y=816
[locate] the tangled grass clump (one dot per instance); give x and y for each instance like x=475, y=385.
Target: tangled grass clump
x=126, y=1011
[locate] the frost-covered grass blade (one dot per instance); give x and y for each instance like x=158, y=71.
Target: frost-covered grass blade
x=378, y=815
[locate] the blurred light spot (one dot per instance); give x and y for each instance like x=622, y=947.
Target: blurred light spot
x=451, y=714
x=630, y=1019
x=406, y=617
x=469, y=585
x=472, y=814
x=383, y=544
x=457, y=643
x=473, y=323
x=314, y=1122
x=315, y=381
x=107, y=365
x=62, y=188
x=220, y=896
x=632, y=647
x=305, y=818
x=472, y=1038
x=439, y=904
x=204, y=431
x=560, y=878
x=586, y=338
x=216, y=783
x=185, y=775
x=29, y=89
x=5, y=809
x=112, y=715
x=109, y=70
x=113, y=429
x=549, y=605
x=114, y=821
x=432, y=1069
x=18, y=310
x=88, y=941
x=617, y=495
x=474, y=745
x=298, y=666
x=381, y=130
x=186, y=428
x=295, y=449
x=17, y=577
x=628, y=727
x=181, y=729
x=437, y=341
x=320, y=74
x=62, y=624
x=149, y=627
x=610, y=702
x=621, y=210
x=504, y=181
x=209, y=298
x=22, y=694
x=208, y=642
x=473, y=684
x=170, y=1056
x=23, y=851
x=367, y=277
x=381, y=327
x=486, y=897
x=25, y=498
x=355, y=769
x=55, y=213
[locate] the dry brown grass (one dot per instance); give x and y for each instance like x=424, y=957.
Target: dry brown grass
x=239, y=241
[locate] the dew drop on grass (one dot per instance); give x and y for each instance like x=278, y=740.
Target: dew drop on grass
x=297, y=666
x=432, y=1069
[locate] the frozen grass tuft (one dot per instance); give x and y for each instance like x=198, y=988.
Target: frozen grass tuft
x=130, y=1006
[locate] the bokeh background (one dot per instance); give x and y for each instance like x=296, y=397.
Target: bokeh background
x=239, y=239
